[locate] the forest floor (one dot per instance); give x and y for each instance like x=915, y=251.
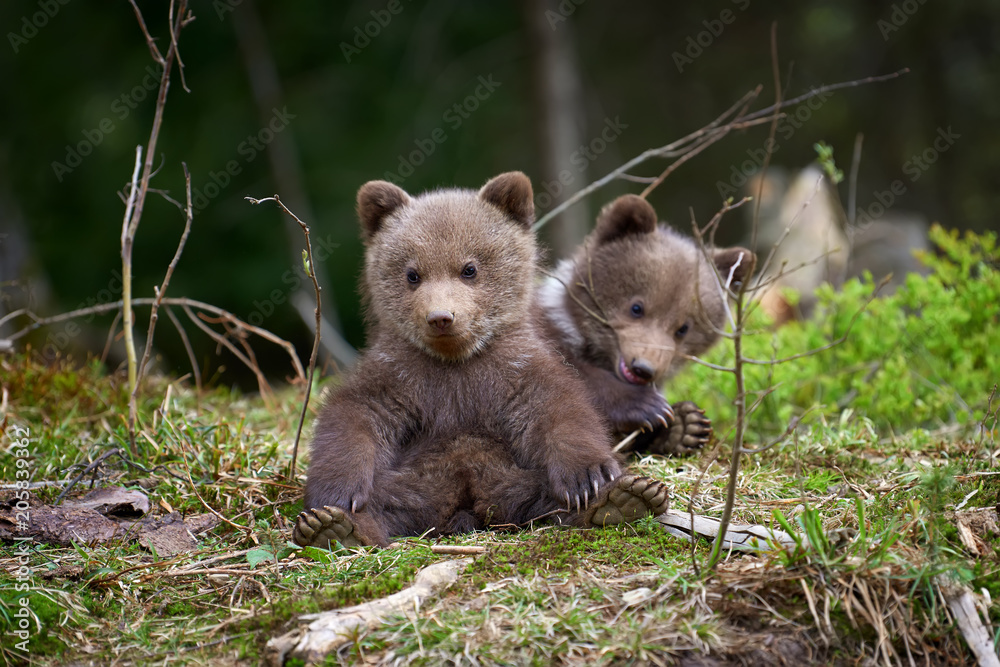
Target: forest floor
x=893, y=528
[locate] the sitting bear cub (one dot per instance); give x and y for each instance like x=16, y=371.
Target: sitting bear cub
x=626, y=309
x=459, y=415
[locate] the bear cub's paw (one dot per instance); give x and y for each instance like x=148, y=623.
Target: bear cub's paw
x=322, y=526
x=577, y=488
x=688, y=433
x=627, y=499
x=646, y=412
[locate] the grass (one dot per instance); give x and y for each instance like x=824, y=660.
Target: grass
x=877, y=510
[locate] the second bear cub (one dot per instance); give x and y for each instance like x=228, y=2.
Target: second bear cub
x=459, y=415
x=627, y=308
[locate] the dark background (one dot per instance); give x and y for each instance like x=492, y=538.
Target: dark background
x=565, y=71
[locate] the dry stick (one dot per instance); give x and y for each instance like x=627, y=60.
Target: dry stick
x=695, y=149
x=187, y=348
x=127, y=293
x=262, y=384
x=672, y=149
x=311, y=270
x=741, y=395
x=111, y=337
x=131, y=223
x=162, y=290
x=39, y=322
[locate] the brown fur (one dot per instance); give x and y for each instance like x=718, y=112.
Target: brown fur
x=459, y=415
x=630, y=261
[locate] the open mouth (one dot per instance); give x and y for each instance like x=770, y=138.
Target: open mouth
x=627, y=375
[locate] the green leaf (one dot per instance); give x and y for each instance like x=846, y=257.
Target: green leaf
x=257, y=556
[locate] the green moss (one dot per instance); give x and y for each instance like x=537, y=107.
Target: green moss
x=560, y=550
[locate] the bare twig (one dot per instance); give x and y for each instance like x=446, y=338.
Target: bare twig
x=311, y=270
x=682, y=145
x=262, y=384
x=162, y=290
x=187, y=348
x=128, y=233
x=137, y=200
x=38, y=322
x=741, y=395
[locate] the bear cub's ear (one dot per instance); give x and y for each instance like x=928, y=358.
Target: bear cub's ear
x=376, y=201
x=727, y=258
x=626, y=216
x=511, y=193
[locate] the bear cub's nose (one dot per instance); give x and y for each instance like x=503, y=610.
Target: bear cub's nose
x=642, y=369
x=440, y=319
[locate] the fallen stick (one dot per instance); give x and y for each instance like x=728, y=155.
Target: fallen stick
x=963, y=608
x=329, y=630
x=738, y=537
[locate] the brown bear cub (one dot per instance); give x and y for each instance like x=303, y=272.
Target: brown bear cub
x=627, y=308
x=459, y=414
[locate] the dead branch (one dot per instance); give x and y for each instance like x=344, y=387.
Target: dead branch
x=137, y=200
x=262, y=384
x=311, y=270
x=187, y=348
x=38, y=322
x=162, y=290
x=682, y=145
x=741, y=415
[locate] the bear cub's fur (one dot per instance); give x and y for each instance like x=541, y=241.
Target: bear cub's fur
x=459, y=415
x=626, y=308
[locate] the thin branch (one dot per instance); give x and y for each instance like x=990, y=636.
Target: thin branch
x=262, y=384
x=175, y=301
x=162, y=290
x=187, y=348
x=741, y=395
x=696, y=149
x=153, y=50
x=311, y=270
x=674, y=149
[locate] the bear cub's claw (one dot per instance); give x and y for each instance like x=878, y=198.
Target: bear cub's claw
x=627, y=499
x=321, y=526
x=689, y=432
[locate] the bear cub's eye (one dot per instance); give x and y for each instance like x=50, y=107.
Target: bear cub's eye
x=683, y=330
x=637, y=310
x=412, y=276
x=469, y=271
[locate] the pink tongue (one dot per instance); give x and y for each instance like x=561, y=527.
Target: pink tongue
x=628, y=373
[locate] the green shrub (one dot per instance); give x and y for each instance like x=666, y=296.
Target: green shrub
x=920, y=357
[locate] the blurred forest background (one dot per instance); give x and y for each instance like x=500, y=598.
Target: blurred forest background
x=310, y=100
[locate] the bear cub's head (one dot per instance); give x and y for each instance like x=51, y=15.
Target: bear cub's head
x=655, y=290
x=448, y=270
